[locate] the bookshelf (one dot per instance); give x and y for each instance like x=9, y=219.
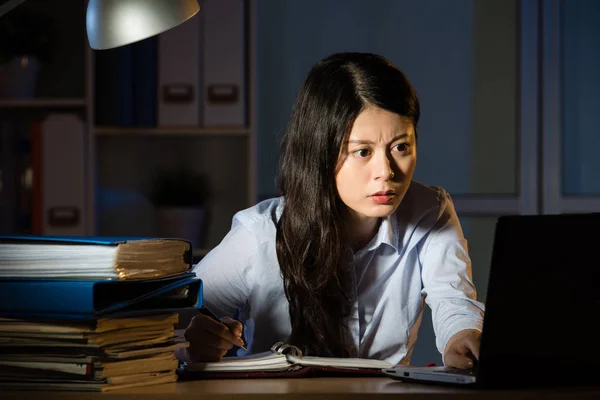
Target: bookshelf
x=120, y=159
x=173, y=131
x=42, y=103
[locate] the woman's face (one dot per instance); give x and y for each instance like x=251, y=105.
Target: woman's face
x=376, y=164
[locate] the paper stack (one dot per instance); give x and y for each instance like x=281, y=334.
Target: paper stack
x=109, y=353
x=80, y=331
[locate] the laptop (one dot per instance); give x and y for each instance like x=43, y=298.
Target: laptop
x=542, y=308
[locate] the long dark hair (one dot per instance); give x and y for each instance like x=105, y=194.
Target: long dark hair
x=311, y=245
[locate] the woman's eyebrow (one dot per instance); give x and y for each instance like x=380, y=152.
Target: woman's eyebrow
x=359, y=141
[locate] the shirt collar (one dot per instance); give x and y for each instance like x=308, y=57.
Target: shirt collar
x=386, y=234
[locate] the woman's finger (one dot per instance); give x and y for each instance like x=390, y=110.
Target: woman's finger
x=234, y=326
x=202, y=323
x=457, y=360
x=472, y=345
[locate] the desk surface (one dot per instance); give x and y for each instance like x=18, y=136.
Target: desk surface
x=305, y=388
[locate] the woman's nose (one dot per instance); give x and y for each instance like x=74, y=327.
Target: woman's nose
x=384, y=169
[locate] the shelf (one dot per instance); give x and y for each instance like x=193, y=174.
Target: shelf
x=175, y=130
x=42, y=103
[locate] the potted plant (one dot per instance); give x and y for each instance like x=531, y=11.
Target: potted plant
x=26, y=39
x=180, y=196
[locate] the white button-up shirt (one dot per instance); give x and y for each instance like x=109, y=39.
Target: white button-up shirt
x=419, y=253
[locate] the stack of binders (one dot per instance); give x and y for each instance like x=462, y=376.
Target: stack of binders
x=92, y=314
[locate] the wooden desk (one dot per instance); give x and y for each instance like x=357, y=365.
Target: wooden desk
x=309, y=388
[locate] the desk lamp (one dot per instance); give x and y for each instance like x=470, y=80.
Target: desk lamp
x=115, y=23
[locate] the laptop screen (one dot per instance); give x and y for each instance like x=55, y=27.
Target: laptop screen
x=543, y=300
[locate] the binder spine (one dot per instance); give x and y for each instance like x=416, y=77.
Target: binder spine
x=63, y=165
x=178, y=75
x=45, y=296
x=224, y=63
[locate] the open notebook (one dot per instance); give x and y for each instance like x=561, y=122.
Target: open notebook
x=282, y=360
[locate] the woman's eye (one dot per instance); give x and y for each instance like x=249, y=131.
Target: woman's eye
x=362, y=153
x=401, y=147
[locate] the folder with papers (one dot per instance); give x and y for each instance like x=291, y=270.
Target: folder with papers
x=93, y=257
x=78, y=299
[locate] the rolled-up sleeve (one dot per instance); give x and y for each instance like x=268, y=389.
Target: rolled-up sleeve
x=447, y=278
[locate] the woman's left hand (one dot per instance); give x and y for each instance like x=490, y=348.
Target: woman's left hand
x=462, y=349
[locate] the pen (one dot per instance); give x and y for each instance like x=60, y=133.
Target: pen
x=206, y=311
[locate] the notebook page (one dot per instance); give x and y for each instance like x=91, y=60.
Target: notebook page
x=266, y=361
x=339, y=362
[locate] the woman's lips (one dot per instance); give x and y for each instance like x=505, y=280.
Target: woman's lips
x=383, y=197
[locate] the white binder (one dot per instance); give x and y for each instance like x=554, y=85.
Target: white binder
x=224, y=70
x=63, y=175
x=179, y=74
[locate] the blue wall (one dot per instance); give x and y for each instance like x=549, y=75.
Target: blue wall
x=581, y=91
x=430, y=40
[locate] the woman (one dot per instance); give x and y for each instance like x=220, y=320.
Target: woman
x=339, y=265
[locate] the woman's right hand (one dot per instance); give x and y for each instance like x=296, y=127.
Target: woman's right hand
x=211, y=340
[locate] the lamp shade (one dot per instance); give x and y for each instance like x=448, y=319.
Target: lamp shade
x=114, y=23
x=7, y=5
